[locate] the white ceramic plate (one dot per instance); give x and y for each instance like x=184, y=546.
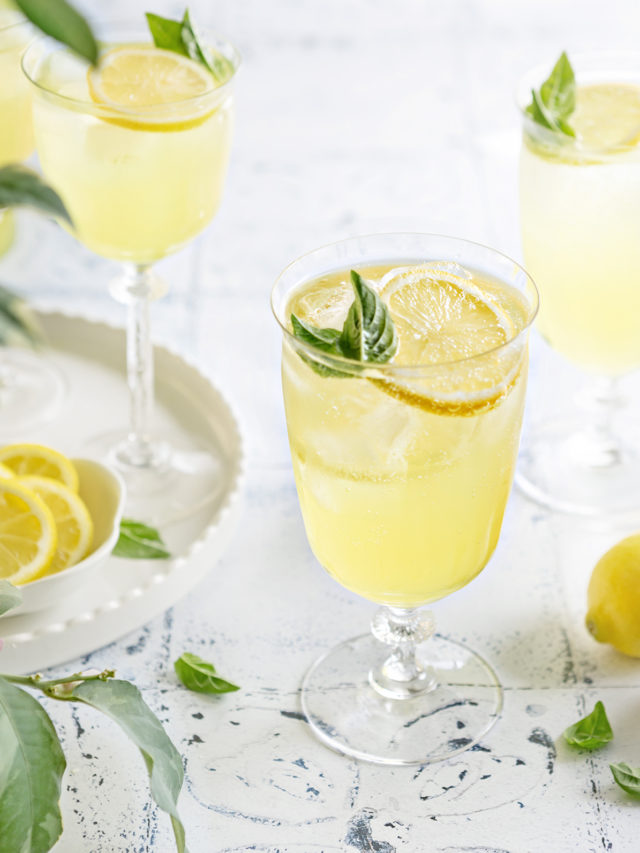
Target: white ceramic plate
x=123, y=594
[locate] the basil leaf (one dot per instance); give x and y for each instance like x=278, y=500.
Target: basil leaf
x=138, y=541
x=555, y=101
x=592, y=731
x=10, y=596
x=627, y=777
x=200, y=676
x=58, y=19
x=123, y=702
x=18, y=325
x=21, y=186
x=31, y=769
x=368, y=333
x=166, y=33
x=181, y=37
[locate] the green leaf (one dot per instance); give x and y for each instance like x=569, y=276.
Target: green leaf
x=592, y=731
x=10, y=597
x=18, y=325
x=555, y=101
x=138, y=541
x=31, y=768
x=58, y=19
x=166, y=33
x=627, y=777
x=200, y=676
x=181, y=37
x=21, y=186
x=368, y=333
x=123, y=702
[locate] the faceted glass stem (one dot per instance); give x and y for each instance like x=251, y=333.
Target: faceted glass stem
x=596, y=446
x=401, y=675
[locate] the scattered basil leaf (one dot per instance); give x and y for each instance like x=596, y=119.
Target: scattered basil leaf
x=555, y=101
x=368, y=333
x=31, y=768
x=21, y=186
x=123, y=702
x=10, y=596
x=18, y=325
x=181, y=37
x=200, y=676
x=58, y=19
x=592, y=731
x=627, y=777
x=138, y=541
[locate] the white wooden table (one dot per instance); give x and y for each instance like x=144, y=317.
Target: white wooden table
x=354, y=116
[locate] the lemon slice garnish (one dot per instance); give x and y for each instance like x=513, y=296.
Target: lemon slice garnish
x=72, y=519
x=6, y=473
x=28, y=537
x=36, y=460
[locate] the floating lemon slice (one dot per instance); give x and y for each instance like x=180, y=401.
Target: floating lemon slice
x=72, y=520
x=27, y=460
x=607, y=115
x=135, y=77
x=460, y=324
x=28, y=537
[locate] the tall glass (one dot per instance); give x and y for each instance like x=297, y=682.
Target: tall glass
x=580, y=219
x=140, y=182
x=403, y=474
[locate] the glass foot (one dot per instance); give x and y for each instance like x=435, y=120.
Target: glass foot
x=461, y=704
x=171, y=482
x=31, y=392
x=565, y=467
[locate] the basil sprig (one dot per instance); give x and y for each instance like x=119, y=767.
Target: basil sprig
x=592, y=732
x=181, y=37
x=20, y=186
x=368, y=333
x=553, y=103
x=62, y=22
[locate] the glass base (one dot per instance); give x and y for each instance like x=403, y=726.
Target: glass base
x=171, y=482
x=31, y=392
x=564, y=468
x=352, y=717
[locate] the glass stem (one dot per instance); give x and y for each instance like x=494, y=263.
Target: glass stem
x=597, y=445
x=401, y=675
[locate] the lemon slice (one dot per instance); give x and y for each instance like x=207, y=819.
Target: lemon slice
x=28, y=537
x=6, y=473
x=447, y=317
x=135, y=77
x=607, y=115
x=72, y=520
x=37, y=460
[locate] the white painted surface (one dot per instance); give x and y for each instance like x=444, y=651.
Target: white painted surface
x=353, y=116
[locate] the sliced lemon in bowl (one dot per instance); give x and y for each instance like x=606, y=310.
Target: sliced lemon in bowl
x=6, y=473
x=26, y=460
x=28, y=536
x=71, y=517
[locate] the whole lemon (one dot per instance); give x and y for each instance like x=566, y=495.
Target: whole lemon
x=613, y=597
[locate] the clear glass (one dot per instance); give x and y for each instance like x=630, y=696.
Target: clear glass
x=580, y=219
x=140, y=182
x=402, y=488
x=31, y=388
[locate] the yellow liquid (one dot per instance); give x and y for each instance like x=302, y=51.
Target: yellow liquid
x=580, y=218
x=16, y=131
x=133, y=194
x=401, y=504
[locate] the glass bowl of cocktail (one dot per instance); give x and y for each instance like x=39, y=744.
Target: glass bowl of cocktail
x=404, y=367
x=580, y=219
x=137, y=148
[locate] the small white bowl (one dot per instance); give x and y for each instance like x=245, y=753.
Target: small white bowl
x=103, y=491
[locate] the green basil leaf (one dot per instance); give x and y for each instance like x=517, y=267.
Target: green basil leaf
x=31, y=769
x=58, y=19
x=200, y=676
x=592, y=731
x=10, y=597
x=555, y=101
x=181, y=37
x=21, y=186
x=123, y=702
x=166, y=33
x=138, y=541
x=627, y=777
x=18, y=325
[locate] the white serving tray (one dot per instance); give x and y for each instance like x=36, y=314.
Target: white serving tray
x=127, y=593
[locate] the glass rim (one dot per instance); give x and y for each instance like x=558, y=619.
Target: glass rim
x=19, y=21
x=610, y=62
x=353, y=365
x=95, y=107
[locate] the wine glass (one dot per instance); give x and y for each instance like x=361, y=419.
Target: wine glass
x=580, y=218
x=403, y=471
x=141, y=175
x=31, y=388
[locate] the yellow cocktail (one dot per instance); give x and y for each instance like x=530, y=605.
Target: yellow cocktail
x=403, y=462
